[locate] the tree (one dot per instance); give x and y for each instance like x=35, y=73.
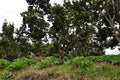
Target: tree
x=58, y=31
x=35, y=23
x=8, y=30
x=70, y=30
x=83, y=31
x=107, y=15
x=84, y=27
x=22, y=41
x=8, y=46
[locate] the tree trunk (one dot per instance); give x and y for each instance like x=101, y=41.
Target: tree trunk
x=112, y=24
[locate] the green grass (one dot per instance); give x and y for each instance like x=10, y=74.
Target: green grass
x=94, y=67
x=82, y=62
x=113, y=59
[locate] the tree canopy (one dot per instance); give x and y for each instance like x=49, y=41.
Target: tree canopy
x=80, y=27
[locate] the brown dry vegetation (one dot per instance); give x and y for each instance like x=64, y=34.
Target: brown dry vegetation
x=47, y=74
x=39, y=58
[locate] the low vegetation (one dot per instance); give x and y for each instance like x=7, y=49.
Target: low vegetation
x=52, y=68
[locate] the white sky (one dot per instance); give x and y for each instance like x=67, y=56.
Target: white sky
x=111, y=52
x=11, y=9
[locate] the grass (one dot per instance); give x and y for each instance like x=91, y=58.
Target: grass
x=88, y=68
x=112, y=59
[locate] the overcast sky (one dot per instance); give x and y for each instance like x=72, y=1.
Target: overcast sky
x=11, y=9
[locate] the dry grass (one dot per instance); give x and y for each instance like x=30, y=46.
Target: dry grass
x=47, y=74
x=32, y=75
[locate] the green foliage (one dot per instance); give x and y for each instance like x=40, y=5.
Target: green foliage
x=82, y=62
x=51, y=60
x=20, y=63
x=113, y=59
x=46, y=62
x=34, y=19
x=9, y=49
x=8, y=30
x=79, y=66
x=4, y=63
x=82, y=27
x=69, y=56
x=6, y=74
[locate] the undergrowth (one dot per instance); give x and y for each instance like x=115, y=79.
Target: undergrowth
x=95, y=67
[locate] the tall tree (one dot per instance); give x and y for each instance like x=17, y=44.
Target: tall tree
x=8, y=30
x=58, y=31
x=83, y=31
x=35, y=23
x=8, y=47
x=70, y=30
x=22, y=41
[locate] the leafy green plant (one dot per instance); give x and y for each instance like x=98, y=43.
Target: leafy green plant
x=6, y=74
x=82, y=62
x=46, y=62
x=51, y=60
x=4, y=63
x=20, y=63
